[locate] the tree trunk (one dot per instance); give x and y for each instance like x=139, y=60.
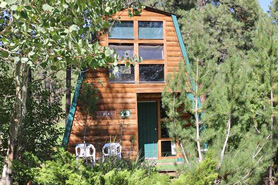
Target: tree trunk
x=68, y=90
x=29, y=95
x=183, y=152
x=197, y=115
x=272, y=126
x=13, y=128
x=24, y=95
x=270, y=176
x=271, y=104
x=226, y=141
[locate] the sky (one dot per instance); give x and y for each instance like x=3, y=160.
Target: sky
x=264, y=4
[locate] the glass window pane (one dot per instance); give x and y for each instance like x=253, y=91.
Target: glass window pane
x=150, y=29
x=122, y=30
x=123, y=74
x=123, y=50
x=168, y=148
x=164, y=120
x=151, y=72
x=151, y=52
x=164, y=130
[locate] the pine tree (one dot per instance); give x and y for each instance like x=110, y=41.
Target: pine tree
x=264, y=60
x=236, y=108
x=229, y=116
x=274, y=11
x=183, y=92
x=232, y=29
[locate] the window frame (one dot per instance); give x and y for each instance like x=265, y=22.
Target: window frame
x=136, y=42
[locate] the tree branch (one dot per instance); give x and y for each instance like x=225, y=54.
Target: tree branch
x=226, y=141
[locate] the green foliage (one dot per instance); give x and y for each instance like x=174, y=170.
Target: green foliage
x=232, y=29
x=171, y=5
x=89, y=98
x=49, y=35
x=62, y=169
x=235, y=55
x=176, y=103
x=24, y=168
x=6, y=104
x=55, y=34
x=65, y=169
x=274, y=11
x=203, y=174
x=41, y=132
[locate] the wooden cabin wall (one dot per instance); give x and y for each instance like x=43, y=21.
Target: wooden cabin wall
x=116, y=96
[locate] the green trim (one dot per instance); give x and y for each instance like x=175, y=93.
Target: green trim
x=72, y=110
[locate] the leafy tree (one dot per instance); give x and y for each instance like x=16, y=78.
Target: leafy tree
x=6, y=105
x=49, y=34
x=41, y=130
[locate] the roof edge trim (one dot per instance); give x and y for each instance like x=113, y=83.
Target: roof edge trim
x=185, y=55
x=72, y=110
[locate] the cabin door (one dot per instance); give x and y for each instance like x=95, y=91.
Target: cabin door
x=147, y=123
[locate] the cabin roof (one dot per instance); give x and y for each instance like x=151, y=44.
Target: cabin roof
x=151, y=9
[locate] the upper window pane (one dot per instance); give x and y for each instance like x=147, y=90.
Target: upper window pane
x=122, y=30
x=124, y=50
x=150, y=29
x=151, y=52
x=123, y=74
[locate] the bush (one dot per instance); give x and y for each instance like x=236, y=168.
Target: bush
x=65, y=169
x=204, y=174
x=23, y=170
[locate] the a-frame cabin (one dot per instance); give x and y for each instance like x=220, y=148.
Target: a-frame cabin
x=135, y=90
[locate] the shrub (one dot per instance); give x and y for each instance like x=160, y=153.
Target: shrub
x=65, y=169
x=23, y=170
x=204, y=174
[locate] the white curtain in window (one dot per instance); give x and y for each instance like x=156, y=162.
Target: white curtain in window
x=123, y=50
x=151, y=52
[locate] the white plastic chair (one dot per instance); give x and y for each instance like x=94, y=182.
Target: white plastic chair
x=86, y=151
x=111, y=149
